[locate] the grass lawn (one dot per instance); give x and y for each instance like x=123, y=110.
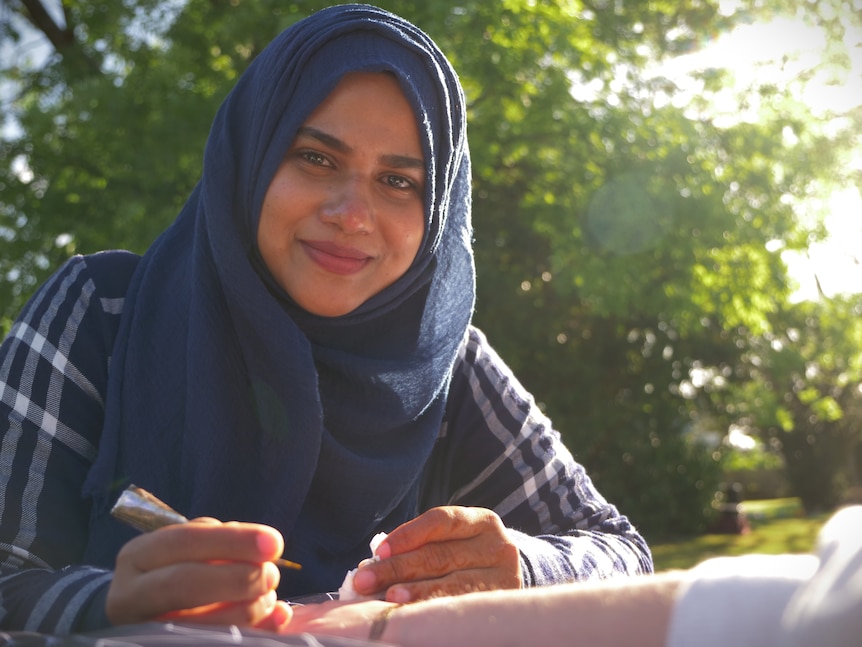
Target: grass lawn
x=777, y=526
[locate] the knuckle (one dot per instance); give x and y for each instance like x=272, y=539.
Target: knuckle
x=439, y=516
x=136, y=550
x=252, y=613
x=460, y=584
x=177, y=584
x=446, y=514
x=422, y=591
x=244, y=614
x=508, y=557
x=126, y=554
x=437, y=558
x=245, y=579
x=492, y=521
x=505, y=552
x=391, y=570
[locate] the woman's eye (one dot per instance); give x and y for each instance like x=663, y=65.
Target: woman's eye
x=315, y=158
x=399, y=182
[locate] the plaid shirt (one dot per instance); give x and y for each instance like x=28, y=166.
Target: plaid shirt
x=496, y=450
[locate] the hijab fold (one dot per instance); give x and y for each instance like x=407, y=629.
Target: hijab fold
x=225, y=398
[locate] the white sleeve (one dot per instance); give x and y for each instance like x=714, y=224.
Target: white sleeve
x=777, y=600
x=827, y=610
x=737, y=601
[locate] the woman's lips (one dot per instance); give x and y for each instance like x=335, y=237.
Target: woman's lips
x=334, y=258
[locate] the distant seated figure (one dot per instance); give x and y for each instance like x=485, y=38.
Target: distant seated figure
x=732, y=520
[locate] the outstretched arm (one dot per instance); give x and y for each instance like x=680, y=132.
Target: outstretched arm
x=622, y=613
x=746, y=601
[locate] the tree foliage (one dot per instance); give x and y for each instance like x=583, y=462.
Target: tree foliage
x=621, y=233
x=801, y=387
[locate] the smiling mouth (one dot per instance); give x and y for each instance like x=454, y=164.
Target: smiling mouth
x=336, y=259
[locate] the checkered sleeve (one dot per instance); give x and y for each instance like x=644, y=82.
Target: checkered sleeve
x=498, y=450
x=53, y=375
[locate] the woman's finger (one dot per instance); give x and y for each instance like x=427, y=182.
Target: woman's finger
x=456, y=583
x=136, y=596
x=202, y=541
x=466, y=549
x=278, y=620
x=245, y=614
x=172, y=568
x=443, y=523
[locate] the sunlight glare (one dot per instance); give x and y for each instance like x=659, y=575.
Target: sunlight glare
x=782, y=52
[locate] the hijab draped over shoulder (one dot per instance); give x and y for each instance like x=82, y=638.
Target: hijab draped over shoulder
x=225, y=398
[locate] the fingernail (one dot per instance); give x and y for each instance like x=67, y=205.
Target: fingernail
x=269, y=544
x=269, y=602
x=398, y=594
x=281, y=615
x=271, y=575
x=364, y=580
x=384, y=551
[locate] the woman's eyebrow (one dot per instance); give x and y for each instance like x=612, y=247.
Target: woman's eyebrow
x=397, y=161
x=324, y=138
x=403, y=161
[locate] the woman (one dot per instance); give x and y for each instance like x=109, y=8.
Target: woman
x=294, y=352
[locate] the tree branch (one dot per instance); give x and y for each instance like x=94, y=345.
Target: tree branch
x=61, y=37
x=77, y=60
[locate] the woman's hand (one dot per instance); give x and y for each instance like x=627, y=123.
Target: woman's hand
x=444, y=551
x=204, y=571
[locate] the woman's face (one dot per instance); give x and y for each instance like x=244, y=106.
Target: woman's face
x=344, y=215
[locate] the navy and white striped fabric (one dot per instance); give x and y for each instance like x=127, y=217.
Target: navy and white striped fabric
x=496, y=450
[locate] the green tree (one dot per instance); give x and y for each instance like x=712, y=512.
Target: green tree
x=112, y=125
x=802, y=393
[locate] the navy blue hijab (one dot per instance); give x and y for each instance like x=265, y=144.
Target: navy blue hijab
x=225, y=398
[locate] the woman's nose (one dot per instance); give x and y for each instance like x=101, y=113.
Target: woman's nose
x=350, y=207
